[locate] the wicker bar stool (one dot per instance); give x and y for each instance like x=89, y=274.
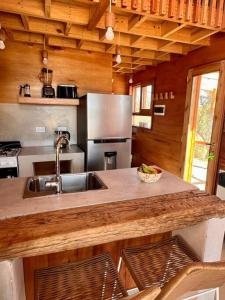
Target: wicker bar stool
x=155, y=264
x=91, y=279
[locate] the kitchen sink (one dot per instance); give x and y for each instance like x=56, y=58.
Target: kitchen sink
x=71, y=183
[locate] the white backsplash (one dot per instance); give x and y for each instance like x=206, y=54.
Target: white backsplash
x=18, y=122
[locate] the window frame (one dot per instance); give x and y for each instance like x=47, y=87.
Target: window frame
x=143, y=112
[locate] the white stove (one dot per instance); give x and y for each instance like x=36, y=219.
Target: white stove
x=9, y=151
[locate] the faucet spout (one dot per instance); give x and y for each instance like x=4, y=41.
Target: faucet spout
x=58, y=180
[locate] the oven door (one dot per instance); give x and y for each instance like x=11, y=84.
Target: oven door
x=8, y=172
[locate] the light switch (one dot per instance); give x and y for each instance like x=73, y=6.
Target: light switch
x=40, y=129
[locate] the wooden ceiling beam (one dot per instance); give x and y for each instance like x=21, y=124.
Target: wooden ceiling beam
x=60, y=11
x=67, y=28
x=200, y=34
x=159, y=56
x=164, y=44
x=168, y=28
x=80, y=43
x=27, y=37
x=97, y=13
x=65, y=13
x=135, y=51
x=25, y=22
x=136, y=39
x=124, y=65
x=150, y=29
x=47, y=4
x=109, y=47
x=136, y=20
x=9, y=34
x=89, y=46
x=131, y=60
x=79, y=32
x=176, y=18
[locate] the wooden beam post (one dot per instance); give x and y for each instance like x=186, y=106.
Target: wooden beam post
x=25, y=21
x=68, y=28
x=97, y=13
x=48, y=8
x=80, y=44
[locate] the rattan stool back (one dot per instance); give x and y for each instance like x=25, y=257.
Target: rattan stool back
x=193, y=278
x=92, y=279
x=155, y=264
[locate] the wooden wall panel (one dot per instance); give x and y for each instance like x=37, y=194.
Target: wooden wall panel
x=21, y=63
x=222, y=153
x=120, y=84
x=162, y=144
x=54, y=259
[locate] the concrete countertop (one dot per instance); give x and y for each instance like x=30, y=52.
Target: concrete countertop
x=123, y=184
x=44, y=150
x=128, y=209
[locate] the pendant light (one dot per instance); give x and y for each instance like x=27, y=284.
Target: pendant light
x=118, y=55
x=2, y=39
x=131, y=79
x=131, y=76
x=44, y=55
x=109, y=23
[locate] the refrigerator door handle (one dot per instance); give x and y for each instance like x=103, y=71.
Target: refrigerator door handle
x=110, y=140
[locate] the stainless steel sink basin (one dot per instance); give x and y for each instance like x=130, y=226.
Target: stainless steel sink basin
x=71, y=183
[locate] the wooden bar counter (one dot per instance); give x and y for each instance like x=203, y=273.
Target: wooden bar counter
x=56, y=229
x=127, y=209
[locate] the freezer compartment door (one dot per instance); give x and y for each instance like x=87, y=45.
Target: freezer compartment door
x=107, y=156
x=109, y=116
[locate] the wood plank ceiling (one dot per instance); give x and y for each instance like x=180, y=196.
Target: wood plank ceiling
x=148, y=31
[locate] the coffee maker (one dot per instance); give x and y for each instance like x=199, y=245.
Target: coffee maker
x=46, y=77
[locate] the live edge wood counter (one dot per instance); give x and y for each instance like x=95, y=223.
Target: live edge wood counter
x=105, y=216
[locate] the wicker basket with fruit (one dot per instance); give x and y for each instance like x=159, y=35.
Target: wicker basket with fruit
x=149, y=174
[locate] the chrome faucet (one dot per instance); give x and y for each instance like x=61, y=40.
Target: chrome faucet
x=58, y=180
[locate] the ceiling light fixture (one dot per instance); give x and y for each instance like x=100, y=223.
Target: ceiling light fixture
x=131, y=79
x=2, y=39
x=131, y=76
x=118, y=55
x=109, y=23
x=44, y=55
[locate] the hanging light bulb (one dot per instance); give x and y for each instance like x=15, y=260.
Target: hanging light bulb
x=118, y=59
x=109, y=23
x=2, y=39
x=109, y=35
x=2, y=45
x=131, y=79
x=44, y=54
x=131, y=76
x=118, y=55
x=45, y=57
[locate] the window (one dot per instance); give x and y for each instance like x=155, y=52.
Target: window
x=142, y=106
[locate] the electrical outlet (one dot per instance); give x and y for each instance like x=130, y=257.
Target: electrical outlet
x=40, y=129
x=61, y=128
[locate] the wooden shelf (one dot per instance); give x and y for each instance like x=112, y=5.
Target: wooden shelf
x=48, y=101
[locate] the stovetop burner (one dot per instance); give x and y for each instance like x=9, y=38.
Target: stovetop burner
x=9, y=148
x=9, y=152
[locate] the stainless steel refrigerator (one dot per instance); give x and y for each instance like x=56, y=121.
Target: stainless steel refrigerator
x=104, y=128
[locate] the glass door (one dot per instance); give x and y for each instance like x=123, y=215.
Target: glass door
x=200, y=146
